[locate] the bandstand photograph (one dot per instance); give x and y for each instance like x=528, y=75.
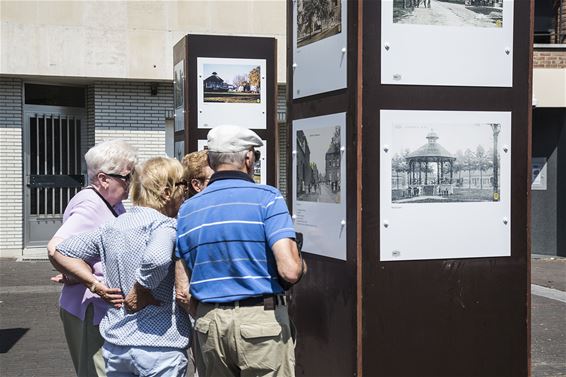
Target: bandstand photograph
x=439, y=163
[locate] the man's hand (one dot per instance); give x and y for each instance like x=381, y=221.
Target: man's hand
x=113, y=296
x=187, y=303
x=138, y=298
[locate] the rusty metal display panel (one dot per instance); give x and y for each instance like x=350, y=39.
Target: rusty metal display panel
x=325, y=305
x=216, y=48
x=446, y=317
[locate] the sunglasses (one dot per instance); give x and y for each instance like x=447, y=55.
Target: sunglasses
x=125, y=178
x=257, y=155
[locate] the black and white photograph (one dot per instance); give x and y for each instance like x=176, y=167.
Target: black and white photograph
x=232, y=83
x=317, y=20
x=179, y=84
x=439, y=163
x=445, y=184
x=318, y=160
x=470, y=13
x=319, y=183
x=447, y=42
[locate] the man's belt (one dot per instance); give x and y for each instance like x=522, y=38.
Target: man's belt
x=269, y=302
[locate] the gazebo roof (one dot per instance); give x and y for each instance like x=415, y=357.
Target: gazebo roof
x=431, y=149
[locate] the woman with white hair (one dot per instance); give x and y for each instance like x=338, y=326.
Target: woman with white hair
x=110, y=165
x=148, y=335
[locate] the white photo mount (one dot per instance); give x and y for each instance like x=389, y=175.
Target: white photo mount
x=260, y=173
x=319, y=199
x=418, y=225
x=212, y=114
x=447, y=55
x=320, y=66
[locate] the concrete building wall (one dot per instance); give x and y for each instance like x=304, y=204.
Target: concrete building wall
x=11, y=193
x=123, y=39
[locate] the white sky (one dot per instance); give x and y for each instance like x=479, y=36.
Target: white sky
x=319, y=141
x=452, y=136
x=227, y=72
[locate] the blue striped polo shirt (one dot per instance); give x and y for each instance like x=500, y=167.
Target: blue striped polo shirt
x=225, y=234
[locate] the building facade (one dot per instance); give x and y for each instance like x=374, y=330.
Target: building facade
x=548, y=202
x=73, y=74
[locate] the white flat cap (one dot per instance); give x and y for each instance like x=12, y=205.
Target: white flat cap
x=230, y=139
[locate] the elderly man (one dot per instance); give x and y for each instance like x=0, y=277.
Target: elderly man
x=237, y=240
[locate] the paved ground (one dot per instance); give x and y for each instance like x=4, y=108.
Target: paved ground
x=32, y=344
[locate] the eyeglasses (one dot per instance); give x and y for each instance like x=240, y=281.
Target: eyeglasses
x=185, y=188
x=125, y=178
x=182, y=183
x=257, y=154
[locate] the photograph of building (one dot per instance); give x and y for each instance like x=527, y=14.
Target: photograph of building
x=230, y=83
x=471, y=13
x=317, y=20
x=318, y=165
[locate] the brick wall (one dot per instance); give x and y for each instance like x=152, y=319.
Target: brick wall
x=127, y=110
x=549, y=57
x=11, y=193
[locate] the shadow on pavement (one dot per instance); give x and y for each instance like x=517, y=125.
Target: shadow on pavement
x=9, y=337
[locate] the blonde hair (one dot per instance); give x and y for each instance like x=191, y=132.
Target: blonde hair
x=151, y=179
x=111, y=156
x=194, y=164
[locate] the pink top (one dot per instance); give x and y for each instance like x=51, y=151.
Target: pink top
x=85, y=212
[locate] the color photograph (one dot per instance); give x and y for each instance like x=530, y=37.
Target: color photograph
x=232, y=83
x=470, y=13
x=317, y=20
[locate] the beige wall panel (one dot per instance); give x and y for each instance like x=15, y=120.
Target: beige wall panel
x=64, y=51
x=549, y=87
x=231, y=17
x=19, y=11
x=20, y=46
x=193, y=15
x=268, y=17
x=119, y=39
x=60, y=13
x=105, y=15
x=149, y=49
x=281, y=59
x=148, y=15
x=106, y=53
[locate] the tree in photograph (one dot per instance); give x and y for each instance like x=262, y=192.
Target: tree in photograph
x=458, y=165
x=469, y=164
x=255, y=78
x=482, y=162
x=399, y=165
x=315, y=10
x=496, y=128
x=240, y=80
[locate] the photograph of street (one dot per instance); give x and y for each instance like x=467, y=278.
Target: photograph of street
x=439, y=163
x=471, y=13
x=232, y=83
x=178, y=84
x=318, y=165
x=317, y=20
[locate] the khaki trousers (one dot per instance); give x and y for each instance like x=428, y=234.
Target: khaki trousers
x=84, y=342
x=243, y=341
